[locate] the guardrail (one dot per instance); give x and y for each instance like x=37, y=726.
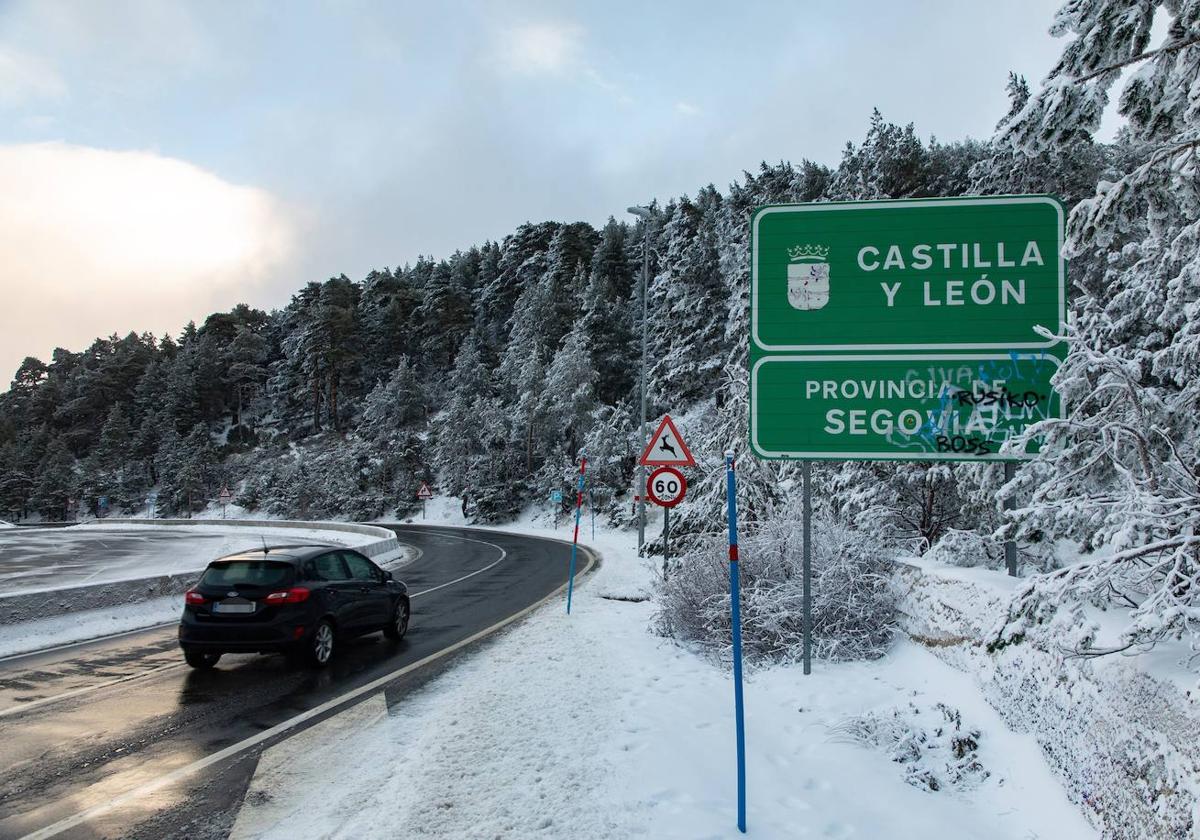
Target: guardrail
x=385, y=541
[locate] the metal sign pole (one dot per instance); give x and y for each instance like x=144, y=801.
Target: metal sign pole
x=1010, y=546
x=735, y=597
x=575, y=541
x=666, y=540
x=807, y=470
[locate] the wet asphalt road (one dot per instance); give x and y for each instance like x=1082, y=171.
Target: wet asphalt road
x=88, y=723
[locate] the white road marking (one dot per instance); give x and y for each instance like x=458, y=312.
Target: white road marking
x=503, y=554
x=232, y=750
x=303, y=754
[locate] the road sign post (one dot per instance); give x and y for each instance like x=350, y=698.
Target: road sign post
x=575, y=540
x=735, y=598
x=917, y=330
x=556, y=497
x=806, y=597
x=666, y=487
x=224, y=499
x=424, y=494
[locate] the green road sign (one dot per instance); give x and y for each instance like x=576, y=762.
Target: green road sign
x=848, y=294
x=916, y=408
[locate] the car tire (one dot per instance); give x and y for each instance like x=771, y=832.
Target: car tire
x=201, y=660
x=398, y=626
x=319, y=648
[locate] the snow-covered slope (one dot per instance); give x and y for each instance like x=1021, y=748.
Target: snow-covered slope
x=589, y=726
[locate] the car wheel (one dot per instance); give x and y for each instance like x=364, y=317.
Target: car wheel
x=398, y=626
x=201, y=660
x=320, y=646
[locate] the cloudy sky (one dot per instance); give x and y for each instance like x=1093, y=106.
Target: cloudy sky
x=160, y=160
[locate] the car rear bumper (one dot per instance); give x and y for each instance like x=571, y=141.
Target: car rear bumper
x=241, y=636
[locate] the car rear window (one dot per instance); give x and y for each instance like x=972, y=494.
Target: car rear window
x=247, y=572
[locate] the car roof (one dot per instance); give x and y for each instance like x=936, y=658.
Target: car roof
x=281, y=553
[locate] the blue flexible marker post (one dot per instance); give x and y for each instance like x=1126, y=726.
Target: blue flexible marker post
x=735, y=597
x=575, y=543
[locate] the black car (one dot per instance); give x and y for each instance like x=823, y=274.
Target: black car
x=295, y=599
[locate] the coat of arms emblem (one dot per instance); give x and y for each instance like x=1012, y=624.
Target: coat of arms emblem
x=808, y=276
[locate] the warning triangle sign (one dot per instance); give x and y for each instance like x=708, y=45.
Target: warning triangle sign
x=667, y=448
x=424, y=492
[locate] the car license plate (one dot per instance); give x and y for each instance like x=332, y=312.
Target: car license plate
x=233, y=607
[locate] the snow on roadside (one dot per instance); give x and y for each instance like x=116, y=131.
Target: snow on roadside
x=589, y=726
x=44, y=633
x=192, y=548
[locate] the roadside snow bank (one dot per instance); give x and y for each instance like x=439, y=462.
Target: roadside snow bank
x=42, y=633
x=1123, y=739
x=589, y=726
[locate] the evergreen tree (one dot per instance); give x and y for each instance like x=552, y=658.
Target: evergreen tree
x=1122, y=471
x=56, y=482
x=457, y=427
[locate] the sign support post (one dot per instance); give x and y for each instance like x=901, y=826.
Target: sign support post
x=575, y=541
x=1010, y=546
x=666, y=541
x=424, y=494
x=735, y=608
x=807, y=597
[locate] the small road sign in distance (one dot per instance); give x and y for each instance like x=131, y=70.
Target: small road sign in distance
x=424, y=493
x=666, y=487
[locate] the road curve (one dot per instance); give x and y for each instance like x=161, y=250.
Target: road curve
x=115, y=738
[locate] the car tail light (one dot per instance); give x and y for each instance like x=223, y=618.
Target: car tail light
x=194, y=597
x=288, y=596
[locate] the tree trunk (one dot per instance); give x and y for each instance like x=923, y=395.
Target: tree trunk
x=333, y=400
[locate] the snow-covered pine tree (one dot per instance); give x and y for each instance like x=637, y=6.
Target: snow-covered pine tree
x=456, y=429
x=1123, y=473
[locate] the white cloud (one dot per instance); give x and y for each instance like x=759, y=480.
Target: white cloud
x=686, y=108
x=542, y=48
x=25, y=77
x=95, y=241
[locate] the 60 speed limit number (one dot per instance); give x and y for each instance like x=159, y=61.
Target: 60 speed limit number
x=666, y=486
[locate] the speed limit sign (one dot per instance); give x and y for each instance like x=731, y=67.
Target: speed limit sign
x=666, y=487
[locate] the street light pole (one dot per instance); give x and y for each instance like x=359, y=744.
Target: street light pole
x=644, y=214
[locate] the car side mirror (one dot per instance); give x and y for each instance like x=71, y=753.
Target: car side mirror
x=388, y=576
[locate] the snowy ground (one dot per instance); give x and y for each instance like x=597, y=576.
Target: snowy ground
x=36, y=561
x=589, y=726
x=45, y=633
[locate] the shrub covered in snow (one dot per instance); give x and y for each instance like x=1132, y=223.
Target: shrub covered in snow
x=967, y=548
x=853, y=601
x=931, y=745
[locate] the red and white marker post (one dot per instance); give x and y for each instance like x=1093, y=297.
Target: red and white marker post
x=575, y=540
